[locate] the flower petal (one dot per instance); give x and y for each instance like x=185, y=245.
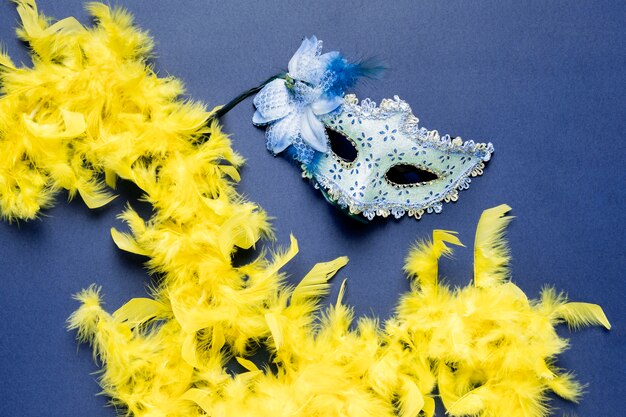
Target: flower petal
x=259, y=120
x=282, y=133
x=304, y=94
x=312, y=131
x=306, y=52
x=326, y=58
x=272, y=102
x=326, y=105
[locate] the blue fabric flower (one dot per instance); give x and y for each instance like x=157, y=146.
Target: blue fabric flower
x=313, y=87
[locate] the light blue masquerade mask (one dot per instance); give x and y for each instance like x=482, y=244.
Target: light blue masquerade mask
x=368, y=160
x=395, y=167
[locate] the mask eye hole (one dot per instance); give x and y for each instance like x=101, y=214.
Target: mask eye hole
x=343, y=147
x=403, y=174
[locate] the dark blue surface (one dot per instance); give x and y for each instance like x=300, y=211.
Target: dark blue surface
x=544, y=81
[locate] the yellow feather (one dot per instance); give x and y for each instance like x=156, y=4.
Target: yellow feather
x=200, y=397
x=138, y=311
x=275, y=329
x=86, y=318
x=94, y=197
x=423, y=259
x=491, y=254
x=217, y=339
x=32, y=23
x=281, y=259
x=231, y=172
x=315, y=283
x=237, y=232
x=410, y=398
x=248, y=364
x=470, y=403
x=125, y=242
x=449, y=396
x=5, y=60
x=565, y=386
x=110, y=178
x=429, y=407
x=341, y=293
x=578, y=315
x=188, y=350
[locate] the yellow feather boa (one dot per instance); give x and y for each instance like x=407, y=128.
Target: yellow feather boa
x=91, y=108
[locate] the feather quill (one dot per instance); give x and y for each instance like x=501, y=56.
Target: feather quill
x=341, y=293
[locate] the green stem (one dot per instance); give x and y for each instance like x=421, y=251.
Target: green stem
x=241, y=97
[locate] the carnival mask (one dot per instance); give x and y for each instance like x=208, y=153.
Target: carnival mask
x=366, y=159
x=398, y=167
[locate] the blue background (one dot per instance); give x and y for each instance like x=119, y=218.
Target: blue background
x=543, y=80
